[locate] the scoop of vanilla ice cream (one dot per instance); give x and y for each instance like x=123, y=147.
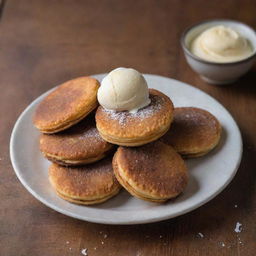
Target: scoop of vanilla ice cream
x=124, y=89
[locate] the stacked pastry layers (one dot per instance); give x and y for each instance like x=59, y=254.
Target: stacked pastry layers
x=71, y=141
x=147, y=163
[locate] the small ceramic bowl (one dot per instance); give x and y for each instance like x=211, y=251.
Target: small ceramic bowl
x=218, y=73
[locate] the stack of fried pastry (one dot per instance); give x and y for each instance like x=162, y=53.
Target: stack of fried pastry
x=70, y=140
x=79, y=138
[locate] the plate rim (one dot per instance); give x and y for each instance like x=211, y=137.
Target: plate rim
x=118, y=222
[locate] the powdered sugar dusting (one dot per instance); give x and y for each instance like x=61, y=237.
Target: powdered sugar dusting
x=90, y=133
x=194, y=117
x=123, y=116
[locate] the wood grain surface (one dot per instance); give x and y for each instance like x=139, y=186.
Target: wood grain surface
x=44, y=43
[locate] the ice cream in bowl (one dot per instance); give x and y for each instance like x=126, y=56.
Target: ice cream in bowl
x=220, y=51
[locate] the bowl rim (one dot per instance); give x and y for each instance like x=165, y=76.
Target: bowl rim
x=187, y=51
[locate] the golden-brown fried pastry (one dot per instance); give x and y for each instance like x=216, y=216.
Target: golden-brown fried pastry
x=134, y=129
x=194, y=132
x=66, y=105
x=89, y=184
x=80, y=144
x=153, y=172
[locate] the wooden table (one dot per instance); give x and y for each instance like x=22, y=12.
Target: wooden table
x=44, y=43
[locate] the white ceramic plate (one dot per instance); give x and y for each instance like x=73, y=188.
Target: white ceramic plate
x=209, y=175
